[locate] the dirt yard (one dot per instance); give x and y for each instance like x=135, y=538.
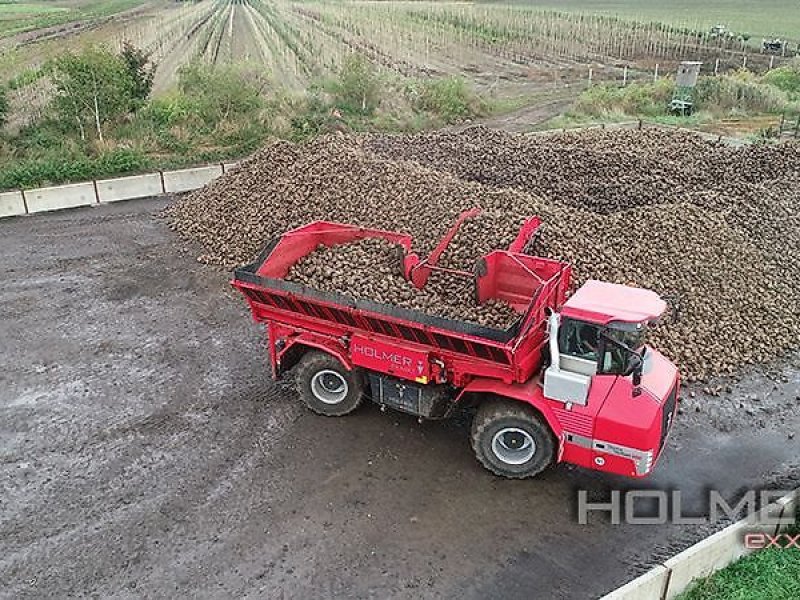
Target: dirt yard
x=145, y=452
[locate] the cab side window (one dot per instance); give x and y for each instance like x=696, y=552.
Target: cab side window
x=579, y=339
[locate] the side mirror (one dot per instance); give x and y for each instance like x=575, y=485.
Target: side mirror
x=634, y=367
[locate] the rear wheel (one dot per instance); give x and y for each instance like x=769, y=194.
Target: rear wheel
x=326, y=386
x=511, y=440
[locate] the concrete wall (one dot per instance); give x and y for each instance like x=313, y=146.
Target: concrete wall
x=650, y=585
x=108, y=190
x=190, y=179
x=62, y=196
x=11, y=204
x=127, y=188
x=704, y=558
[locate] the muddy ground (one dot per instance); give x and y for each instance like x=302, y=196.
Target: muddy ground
x=144, y=451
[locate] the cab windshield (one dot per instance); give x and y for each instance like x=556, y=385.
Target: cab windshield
x=618, y=342
x=609, y=348
x=630, y=338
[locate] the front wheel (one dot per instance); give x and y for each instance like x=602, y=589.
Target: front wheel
x=511, y=440
x=326, y=386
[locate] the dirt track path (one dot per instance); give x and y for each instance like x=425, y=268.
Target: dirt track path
x=144, y=452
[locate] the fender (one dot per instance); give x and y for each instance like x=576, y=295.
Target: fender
x=328, y=345
x=529, y=392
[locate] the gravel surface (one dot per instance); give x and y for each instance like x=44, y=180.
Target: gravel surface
x=713, y=229
x=145, y=452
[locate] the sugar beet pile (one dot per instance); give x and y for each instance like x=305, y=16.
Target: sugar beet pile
x=445, y=295
x=714, y=229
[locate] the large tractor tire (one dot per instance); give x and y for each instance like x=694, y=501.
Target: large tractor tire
x=326, y=386
x=512, y=440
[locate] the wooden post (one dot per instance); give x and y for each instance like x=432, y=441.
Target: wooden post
x=716, y=68
x=744, y=61
x=655, y=74
x=625, y=76
x=771, y=61
x=591, y=72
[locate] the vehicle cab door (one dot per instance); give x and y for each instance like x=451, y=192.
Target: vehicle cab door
x=574, y=375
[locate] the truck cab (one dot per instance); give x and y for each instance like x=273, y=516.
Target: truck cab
x=601, y=366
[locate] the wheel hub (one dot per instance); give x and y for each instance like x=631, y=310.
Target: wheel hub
x=329, y=387
x=513, y=446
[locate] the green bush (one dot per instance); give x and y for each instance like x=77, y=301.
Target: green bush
x=55, y=169
x=636, y=99
x=169, y=110
x=93, y=87
x=44, y=137
x=450, y=98
x=213, y=95
x=140, y=69
x=3, y=106
x=785, y=78
x=739, y=93
x=356, y=90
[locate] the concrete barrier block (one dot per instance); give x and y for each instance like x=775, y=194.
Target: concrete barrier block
x=11, y=204
x=706, y=557
x=789, y=505
x=229, y=166
x=190, y=179
x=650, y=586
x=127, y=188
x=62, y=196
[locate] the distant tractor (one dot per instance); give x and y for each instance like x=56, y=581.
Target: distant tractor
x=718, y=31
x=683, y=98
x=774, y=46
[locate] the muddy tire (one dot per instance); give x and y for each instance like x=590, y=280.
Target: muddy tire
x=326, y=386
x=512, y=440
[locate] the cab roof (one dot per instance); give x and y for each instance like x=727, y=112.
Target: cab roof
x=603, y=303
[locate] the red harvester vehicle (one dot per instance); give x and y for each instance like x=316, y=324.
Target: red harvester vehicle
x=571, y=380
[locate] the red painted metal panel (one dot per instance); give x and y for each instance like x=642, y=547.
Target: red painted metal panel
x=396, y=359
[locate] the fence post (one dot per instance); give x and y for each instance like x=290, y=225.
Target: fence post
x=655, y=75
x=590, y=75
x=797, y=127
x=716, y=68
x=625, y=76
x=744, y=61
x=771, y=62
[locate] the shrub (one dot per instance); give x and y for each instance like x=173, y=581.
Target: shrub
x=140, y=69
x=92, y=88
x=3, y=106
x=636, y=99
x=56, y=168
x=739, y=93
x=357, y=87
x=214, y=95
x=450, y=98
x=785, y=78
